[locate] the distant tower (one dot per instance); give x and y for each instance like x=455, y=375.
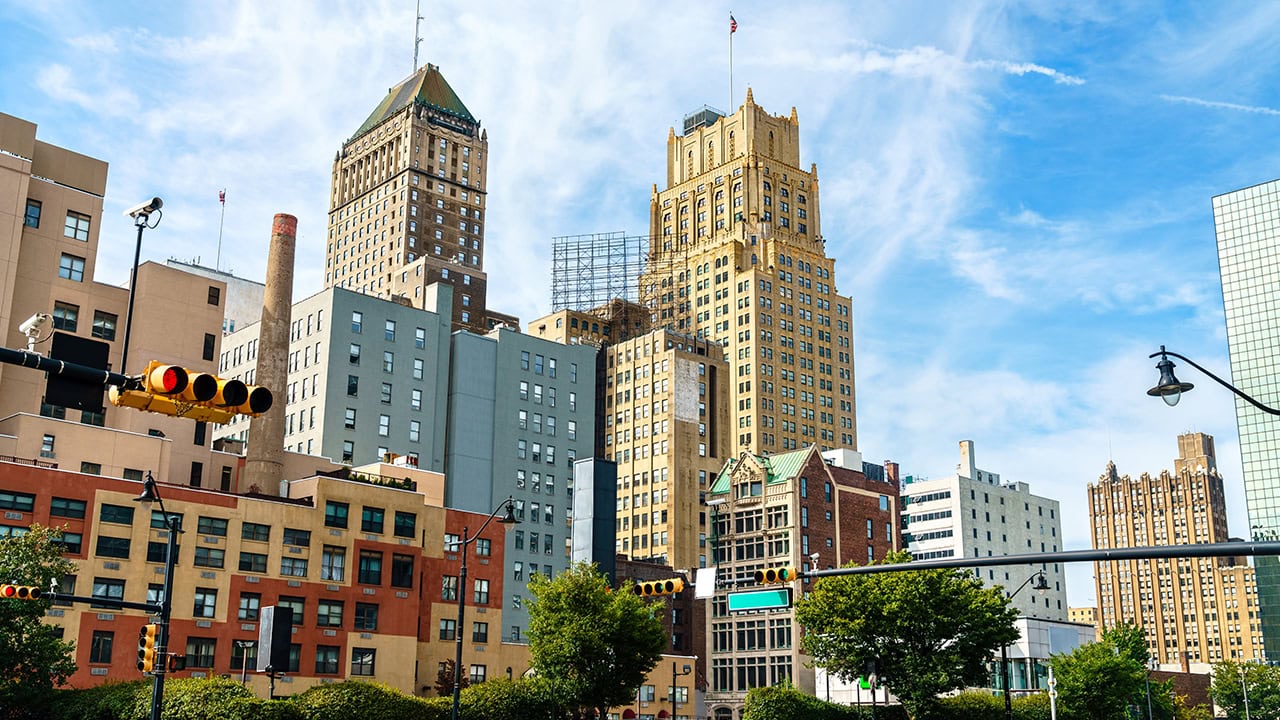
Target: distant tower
x=407, y=201
x=738, y=257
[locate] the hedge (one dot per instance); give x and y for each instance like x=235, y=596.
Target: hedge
x=367, y=701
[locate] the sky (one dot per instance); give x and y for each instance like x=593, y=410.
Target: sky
x=1017, y=195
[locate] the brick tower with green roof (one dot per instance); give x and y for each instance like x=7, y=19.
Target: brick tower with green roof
x=407, y=202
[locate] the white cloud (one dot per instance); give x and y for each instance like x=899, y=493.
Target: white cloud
x=1220, y=105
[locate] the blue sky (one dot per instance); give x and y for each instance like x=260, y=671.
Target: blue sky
x=1017, y=193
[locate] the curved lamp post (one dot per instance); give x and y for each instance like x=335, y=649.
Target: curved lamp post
x=1170, y=389
x=1041, y=584
x=675, y=691
x=508, y=519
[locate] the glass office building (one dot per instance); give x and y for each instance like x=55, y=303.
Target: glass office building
x=1247, y=225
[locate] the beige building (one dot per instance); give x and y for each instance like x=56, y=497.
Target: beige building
x=1193, y=610
x=738, y=257
x=666, y=426
x=50, y=220
x=407, y=201
x=1083, y=615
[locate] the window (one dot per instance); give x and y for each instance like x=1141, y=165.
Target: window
x=100, y=646
x=415, y=430
x=366, y=617
x=349, y=421
x=405, y=524
x=210, y=557
x=386, y=393
x=418, y=367
x=200, y=652
x=297, y=538
x=452, y=542
x=66, y=507
x=348, y=450
x=333, y=563
x=384, y=425
x=353, y=386
x=327, y=659
x=335, y=514
x=415, y=399
x=479, y=632
x=389, y=331
x=419, y=338
x=483, y=547
x=355, y=354
x=112, y=547
x=206, y=602
x=370, y=571
x=253, y=562
x=255, y=531
x=71, y=267
x=371, y=519
x=249, y=605
x=524, y=359
x=448, y=629
x=388, y=361
x=449, y=587
x=211, y=526
x=329, y=613
x=293, y=567
x=77, y=226
x=71, y=542
x=22, y=502
x=244, y=653
x=104, y=325
x=209, y=346
x=402, y=571
x=296, y=604
x=478, y=673
x=362, y=661
x=215, y=295
x=32, y=217
x=480, y=596
x=357, y=321
x=108, y=589
x=66, y=316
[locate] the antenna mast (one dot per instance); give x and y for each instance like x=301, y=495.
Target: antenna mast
x=417, y=36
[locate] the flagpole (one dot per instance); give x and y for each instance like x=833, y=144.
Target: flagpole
x=732, y=28
x=222, y=200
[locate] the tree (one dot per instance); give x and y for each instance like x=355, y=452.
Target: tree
x=596, y=645
x=925, y=632
x=1262, y=681
x=32, y=657
x=444, y=679
x=1102, y=679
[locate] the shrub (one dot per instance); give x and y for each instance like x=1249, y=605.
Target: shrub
x=366, y=701
x=972, y=705
x=192, y=699
x=110, y=701
x=1031, y=707
x=502, y=699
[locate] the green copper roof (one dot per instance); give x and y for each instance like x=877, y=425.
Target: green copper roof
x=427, y=87
x=778, y=468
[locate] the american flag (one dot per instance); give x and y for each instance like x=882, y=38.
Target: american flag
x=222, y=196
x=733, y=25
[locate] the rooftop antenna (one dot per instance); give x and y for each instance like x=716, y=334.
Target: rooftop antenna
x=417, y=36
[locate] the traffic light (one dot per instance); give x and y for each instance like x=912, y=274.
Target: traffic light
x=776, y=575
x=174, y=390
x=20, y=592
x=147, y=647
x=175, y=662
x=651, y=588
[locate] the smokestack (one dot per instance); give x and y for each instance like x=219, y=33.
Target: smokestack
x=264, y=462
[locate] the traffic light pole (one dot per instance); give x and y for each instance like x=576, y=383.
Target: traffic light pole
x=174, y=524
x=73, y=371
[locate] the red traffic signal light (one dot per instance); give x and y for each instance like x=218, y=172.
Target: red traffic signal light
x=651, y=588
x=174, y=390
x=147, y=647
x=776, y=575
x=20, y=592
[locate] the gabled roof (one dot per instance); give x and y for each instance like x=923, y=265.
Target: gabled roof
x=427, y=87
x=778, y=468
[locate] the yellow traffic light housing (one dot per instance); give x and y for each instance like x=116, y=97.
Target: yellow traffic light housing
x=201, y=396
x=147, y=647
x=20, y=592
x=776, y=575
x=653, y=588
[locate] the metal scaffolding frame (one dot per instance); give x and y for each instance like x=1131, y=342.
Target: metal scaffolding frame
x=588, y=271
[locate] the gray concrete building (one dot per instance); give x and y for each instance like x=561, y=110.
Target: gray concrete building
x=521, y=412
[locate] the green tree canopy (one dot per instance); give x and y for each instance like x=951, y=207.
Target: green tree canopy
x=596, y=645
x=32, y=658
x=926, y=631
x=1230, y=680
x=1102, y=679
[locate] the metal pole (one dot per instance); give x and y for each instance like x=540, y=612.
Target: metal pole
x=457, y=656
x=141, y=222
x=174, y=524
x=1148, y=691
x=1004, y=679
x=673, y=690
x=1244, y=689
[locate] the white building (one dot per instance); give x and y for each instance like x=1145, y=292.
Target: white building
x=974, y=514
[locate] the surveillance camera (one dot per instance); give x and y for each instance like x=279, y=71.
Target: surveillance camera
x=145, y=209
x=34, y=324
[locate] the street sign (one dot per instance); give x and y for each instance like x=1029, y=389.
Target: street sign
x=771, y=599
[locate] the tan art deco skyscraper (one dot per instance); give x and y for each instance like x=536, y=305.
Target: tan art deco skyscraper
x=738, y=257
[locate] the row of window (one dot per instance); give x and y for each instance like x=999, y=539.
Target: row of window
x=76, y=226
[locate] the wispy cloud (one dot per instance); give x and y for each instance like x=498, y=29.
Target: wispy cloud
x=1218, y=105
x=1013, y=68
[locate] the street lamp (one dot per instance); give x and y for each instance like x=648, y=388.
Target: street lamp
x=508, y=519
x=1170, y=390
x=1041, y=584
x=674, y=691
x=140, y=213
x=151, y=493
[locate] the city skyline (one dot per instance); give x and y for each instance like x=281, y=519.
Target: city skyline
x=991, y=176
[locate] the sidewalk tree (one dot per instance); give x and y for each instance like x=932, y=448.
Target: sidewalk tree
x=1262, y=681
x=32, y=657
x=923, y=632
x=596, y=645
x=1101, y=680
